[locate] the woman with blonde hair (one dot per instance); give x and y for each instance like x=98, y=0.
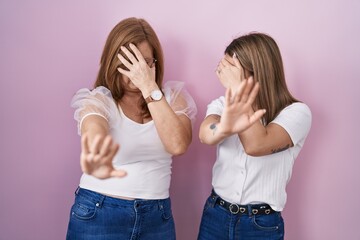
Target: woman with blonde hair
x=131, y=124
x=254, y=158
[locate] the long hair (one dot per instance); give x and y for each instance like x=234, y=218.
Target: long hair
x=130, y=30
x=259, y=54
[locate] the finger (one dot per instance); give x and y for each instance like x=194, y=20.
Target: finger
x=95, y=145
x=247, y=89
x=256, y=116
x=225, y=62
x=124, y=61
x=105, y=147
x=129, y=54
x=218, y=71
x=83, y=164
x=89, y=159
x=228, y=96
x=84, y=144
x=118, y=173
x=242, y=76
x=113, y=150
x=137, y=53
x=238, y=96
x=236, y=61
x=253, y=93
x=124, y=72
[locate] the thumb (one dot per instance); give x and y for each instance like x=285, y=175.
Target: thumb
x=118, y=173
x=257, y=115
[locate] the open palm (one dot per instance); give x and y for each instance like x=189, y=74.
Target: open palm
x=96, y=159
x=238, y=114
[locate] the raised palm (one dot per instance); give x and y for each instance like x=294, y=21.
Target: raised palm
x=96, y=158
x=238, y=115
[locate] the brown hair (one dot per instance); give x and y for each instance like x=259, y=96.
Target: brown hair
x=259, y=54
x=130, y=30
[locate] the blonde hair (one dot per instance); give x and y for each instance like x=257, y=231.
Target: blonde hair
x=260, y=56
x=130, y=30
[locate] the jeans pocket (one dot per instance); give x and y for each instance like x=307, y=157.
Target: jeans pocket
x=269, y=222
x=209, y=203
x=166, y=212
x=83, y=209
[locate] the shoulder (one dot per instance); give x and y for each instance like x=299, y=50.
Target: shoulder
x=99, y=91
x=176, y=93
x=172, y=89
x=296, y=120
x=180, y=99
x=216, y=106
x=99, y=94
x=218, y=102
x=297, y=109
x=298, y=106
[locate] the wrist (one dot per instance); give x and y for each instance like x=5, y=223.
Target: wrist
x=217, y=130
x=146, y=91
x=222, y=131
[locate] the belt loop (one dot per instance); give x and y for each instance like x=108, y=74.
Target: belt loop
x=213, y=197
x=249, y=210
x=77, y=190
x=161, y=204
x=100, y=200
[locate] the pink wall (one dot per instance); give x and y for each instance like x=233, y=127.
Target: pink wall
x=49, y=50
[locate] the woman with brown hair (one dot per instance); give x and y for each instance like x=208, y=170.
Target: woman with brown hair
x=254, y=161
x=124, y=194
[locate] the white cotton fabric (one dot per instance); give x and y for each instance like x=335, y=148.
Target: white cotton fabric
x=243, y=179
x=141, y=153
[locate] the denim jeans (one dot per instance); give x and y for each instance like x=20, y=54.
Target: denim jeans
x=96, y=216
x=218, y=223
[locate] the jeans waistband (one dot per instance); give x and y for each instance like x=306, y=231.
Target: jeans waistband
x=250, y=209
x=102, y=199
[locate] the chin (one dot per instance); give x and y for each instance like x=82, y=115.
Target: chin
x=132, y=88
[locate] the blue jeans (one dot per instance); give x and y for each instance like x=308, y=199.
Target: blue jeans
x=96, y=216
x=218, y=223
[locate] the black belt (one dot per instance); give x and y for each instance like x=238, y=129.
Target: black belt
x=233, y=208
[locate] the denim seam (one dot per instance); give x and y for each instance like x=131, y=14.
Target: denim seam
x=264, y=228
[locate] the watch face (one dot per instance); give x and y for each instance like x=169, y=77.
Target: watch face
x=156, y=95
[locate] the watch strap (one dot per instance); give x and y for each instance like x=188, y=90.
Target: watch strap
x=149, y=99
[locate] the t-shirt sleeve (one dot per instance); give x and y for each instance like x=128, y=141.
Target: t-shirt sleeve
x=216, y=107
x=93, y=102
x=180, y=100
x=296, y=120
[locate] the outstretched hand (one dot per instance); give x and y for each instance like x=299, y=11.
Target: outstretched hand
x=238, y=114
x=96, y=159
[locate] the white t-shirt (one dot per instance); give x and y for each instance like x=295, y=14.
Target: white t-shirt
x=141, y=152
x=243, y=179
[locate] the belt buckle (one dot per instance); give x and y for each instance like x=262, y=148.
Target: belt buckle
x=231, y=208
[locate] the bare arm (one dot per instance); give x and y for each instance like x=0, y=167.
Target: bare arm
x=235, y=117
x=208, y=131
x=174, y=130
x=259, y=140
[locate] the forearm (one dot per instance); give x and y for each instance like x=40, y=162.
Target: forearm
x=210, y=132
x=254, y=140
x=174, y=130
x=261, y=140
x=94, y=126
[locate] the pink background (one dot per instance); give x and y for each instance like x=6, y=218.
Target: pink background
x=50, y=49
